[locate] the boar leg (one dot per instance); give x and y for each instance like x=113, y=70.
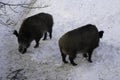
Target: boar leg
x=90, y=55
x=45, y=36
x=50, y=33
x=63, y=56
x=85, y=55
x=71, y=58
x=37, y=42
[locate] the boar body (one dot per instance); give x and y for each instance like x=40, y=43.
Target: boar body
x=84, y=39
x=33, y=28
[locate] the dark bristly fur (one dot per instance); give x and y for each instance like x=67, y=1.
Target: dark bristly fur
x=101, y=34
x=33, y=28
x=84, y=39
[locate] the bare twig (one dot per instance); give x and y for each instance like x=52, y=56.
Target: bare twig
x=16, y=75
x=35, y=7
x=3, y=23
x=13, y=7
x=22, y=5
x=13, y=4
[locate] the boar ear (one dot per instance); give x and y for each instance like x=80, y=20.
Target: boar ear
x=15, y=33
x=101, y=34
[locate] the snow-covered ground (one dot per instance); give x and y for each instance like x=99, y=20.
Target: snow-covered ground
x=44, y=63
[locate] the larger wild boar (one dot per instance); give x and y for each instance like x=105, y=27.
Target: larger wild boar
x=84, y=39
x=33, y=28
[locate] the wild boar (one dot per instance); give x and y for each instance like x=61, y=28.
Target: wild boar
x=33, y=28
x=84, y=39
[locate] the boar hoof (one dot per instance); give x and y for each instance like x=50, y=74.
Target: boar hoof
x=90, y=61
x=74, y=64
x=65, y=62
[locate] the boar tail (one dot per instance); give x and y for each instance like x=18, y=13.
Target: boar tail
x=101, y=34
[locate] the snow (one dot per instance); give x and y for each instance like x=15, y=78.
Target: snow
x=44, y=63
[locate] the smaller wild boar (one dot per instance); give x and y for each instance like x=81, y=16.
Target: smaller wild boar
x=84, y=39
x=33, y=28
